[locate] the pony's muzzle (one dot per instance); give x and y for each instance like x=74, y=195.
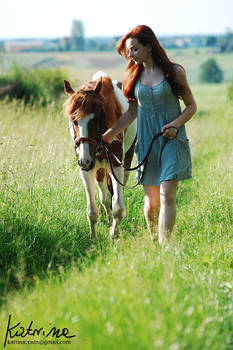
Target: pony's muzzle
x=86, y=164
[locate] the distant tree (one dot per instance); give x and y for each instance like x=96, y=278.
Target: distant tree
x=210, y=72
x=111, y=45
x=225, y=42
x=77, y=35
x=116, y=38
x=91, y=45
x=210, y=41
x=102, y=46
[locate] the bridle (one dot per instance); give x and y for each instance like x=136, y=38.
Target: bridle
x=79, y=140
x=96, y=144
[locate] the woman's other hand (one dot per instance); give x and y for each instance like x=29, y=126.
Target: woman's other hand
x=169, y=131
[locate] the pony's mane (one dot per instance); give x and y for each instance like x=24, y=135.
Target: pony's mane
x=85, y=101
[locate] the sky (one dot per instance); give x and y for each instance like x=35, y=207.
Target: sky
x=53, y=18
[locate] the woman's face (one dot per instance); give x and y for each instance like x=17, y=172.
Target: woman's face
x=138, y=52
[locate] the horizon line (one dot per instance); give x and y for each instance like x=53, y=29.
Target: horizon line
x=109, y=37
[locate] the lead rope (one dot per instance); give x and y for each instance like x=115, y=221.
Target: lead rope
x=145, y=160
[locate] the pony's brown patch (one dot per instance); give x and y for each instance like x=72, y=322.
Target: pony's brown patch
x=100, y=175
x=76, y=131
x=94, y=97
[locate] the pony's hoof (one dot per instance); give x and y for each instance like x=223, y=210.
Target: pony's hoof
x=93, y=239
x=115, y=238
x=114, y=235
x=154, y=238
x=164, y=242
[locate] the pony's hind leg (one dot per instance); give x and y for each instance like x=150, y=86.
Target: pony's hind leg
x=118, y=208
x=92, y=210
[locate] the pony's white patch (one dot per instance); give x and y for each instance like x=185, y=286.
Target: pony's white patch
x=100, y=74
x=71, y=128
x=84, y=153
x=118, y=92
x=121, y=97
x=131, y=131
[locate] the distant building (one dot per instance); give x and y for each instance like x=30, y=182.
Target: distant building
x=183, y=42
x=22, y=45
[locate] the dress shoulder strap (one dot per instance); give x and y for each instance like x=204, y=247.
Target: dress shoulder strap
x=175, y=66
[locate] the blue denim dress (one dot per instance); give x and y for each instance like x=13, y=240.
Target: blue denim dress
x=170, y=159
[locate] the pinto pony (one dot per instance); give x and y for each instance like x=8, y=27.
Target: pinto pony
x=91, y=110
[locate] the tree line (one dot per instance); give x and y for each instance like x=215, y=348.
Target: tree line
x=78, y=42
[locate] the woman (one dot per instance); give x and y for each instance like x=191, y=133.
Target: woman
x=153, y=85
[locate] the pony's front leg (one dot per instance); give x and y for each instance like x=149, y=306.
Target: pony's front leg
x=118, y=208
x=105, y=197
x=88, y=178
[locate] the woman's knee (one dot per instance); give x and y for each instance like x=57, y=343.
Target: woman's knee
x=168, y=191
x=151, y=204
x=151, y=197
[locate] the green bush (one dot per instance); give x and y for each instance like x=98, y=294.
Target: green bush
x=210, y=72
x=40, y=86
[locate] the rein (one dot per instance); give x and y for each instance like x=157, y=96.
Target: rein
x=101, y=145
x=144, y=161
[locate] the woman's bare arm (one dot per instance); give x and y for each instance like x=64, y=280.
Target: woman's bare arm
x=189, y=102
x=125, y=120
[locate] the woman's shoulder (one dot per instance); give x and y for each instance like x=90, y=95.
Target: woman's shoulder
x=180, y=73
x=178, y=68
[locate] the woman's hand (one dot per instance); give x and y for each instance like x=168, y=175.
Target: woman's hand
x=125, y=120
x=106, y=137
x=169, y=131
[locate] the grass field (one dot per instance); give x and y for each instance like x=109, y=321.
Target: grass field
x=127, y=295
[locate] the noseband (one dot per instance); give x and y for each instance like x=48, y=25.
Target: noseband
x=92, y=142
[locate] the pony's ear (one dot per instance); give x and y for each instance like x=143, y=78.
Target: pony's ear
x=98, y=87
x=68, y=89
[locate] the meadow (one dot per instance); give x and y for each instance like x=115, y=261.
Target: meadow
x=82, y=65
x=130, y=294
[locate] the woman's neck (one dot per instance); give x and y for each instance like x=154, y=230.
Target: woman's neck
x=149, y=65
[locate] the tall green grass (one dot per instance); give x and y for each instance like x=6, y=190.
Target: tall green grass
x=127, y=295
x=39, y=203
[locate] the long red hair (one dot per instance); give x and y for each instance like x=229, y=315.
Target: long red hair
x=145, y=36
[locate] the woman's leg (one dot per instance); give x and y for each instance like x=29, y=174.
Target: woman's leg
x=151, y=207
x=167, y=214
